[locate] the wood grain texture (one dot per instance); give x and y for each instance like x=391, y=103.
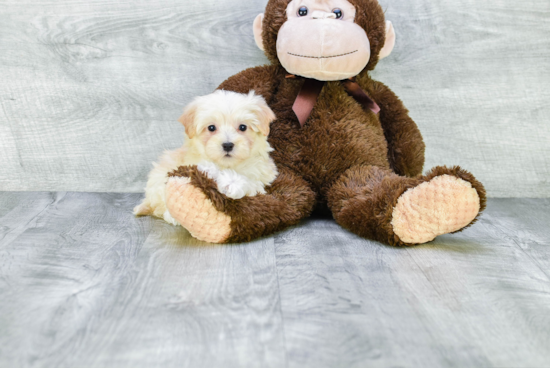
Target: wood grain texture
x=83, y=283
x=86, y=284
x=91, y=90
x=473, y=299
x=474, y=76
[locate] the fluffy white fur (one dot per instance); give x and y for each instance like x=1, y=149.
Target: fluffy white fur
x=244, y=171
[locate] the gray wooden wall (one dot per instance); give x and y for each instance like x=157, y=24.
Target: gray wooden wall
x=90, y=90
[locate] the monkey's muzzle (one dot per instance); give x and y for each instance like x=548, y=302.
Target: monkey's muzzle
x=313, y=48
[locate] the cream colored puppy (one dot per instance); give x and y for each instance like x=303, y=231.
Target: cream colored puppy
x=227, y=140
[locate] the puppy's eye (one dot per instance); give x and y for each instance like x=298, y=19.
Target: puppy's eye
x=338, y=13
x=302, y=12
x=242, y=128
x=212, y=128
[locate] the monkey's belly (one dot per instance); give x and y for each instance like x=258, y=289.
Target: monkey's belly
x=338, y=135
x=323, y=150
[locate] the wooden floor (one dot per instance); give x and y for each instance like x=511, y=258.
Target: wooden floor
x=85, y=284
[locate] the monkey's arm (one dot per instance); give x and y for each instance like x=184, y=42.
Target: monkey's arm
x=262, y=79
x=194, y=201
x=405, y=143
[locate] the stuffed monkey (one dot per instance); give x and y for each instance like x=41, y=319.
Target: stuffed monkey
x=342, y=141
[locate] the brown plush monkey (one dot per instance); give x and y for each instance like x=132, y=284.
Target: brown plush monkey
x=346, y=144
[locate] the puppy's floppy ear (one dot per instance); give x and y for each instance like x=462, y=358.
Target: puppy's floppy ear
x=264, y=113
x=188, y=119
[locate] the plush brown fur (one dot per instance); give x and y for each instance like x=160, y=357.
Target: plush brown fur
x=345, y=157
x=260, y=215
x=363, y=199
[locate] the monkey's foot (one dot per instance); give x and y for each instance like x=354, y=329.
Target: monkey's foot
x=189, y=206
x=442, y=205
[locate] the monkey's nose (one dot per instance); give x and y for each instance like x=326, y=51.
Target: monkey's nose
x=228, y=147
x=322, y=15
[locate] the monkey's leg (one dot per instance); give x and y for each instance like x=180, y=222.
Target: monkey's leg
x=378, y=204
x=194, y=201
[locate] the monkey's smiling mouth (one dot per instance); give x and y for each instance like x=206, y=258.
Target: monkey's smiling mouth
x=322, y=57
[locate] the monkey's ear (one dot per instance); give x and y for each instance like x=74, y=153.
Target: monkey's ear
x=390, y=41
x=258, y=24
x=188, y=119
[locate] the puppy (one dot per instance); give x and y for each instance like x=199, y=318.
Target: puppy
x=226, y=137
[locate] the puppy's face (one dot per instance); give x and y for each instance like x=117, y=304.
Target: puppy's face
x=228, y=127
x=228, y=140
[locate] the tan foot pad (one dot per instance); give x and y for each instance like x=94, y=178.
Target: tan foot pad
x=443, y=205
x=190, y=207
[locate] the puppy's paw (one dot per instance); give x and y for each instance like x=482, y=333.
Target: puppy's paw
x=231, y=184
x=233, y=190
x=169, y=219
x=143, y=209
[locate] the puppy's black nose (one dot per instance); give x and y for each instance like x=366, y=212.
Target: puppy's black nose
x=228, y=147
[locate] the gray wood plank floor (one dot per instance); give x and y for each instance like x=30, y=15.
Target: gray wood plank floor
x=85, y=284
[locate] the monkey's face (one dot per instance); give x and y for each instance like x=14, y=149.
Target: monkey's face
x=321, y=39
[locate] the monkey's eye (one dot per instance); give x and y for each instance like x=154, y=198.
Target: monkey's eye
x=242, y=128
x=212, y=128
x=302, y=12
x=338, y=13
